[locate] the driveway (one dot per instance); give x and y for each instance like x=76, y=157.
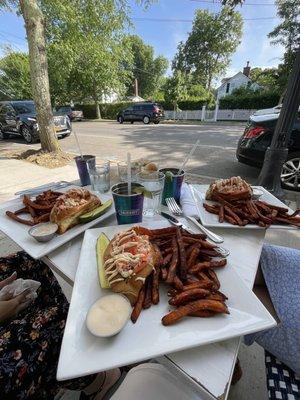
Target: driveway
x=165, y=144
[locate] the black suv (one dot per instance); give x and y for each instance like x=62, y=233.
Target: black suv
x=257, y=138
x=19, y=118
x=146, y=112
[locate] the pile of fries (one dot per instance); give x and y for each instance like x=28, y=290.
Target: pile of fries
x=187, y=263
x=243, y=212
x=38, y=209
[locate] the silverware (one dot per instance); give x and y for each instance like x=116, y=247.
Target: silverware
x=173, y=206
x=174, y=221
x=211, y=235
x=40, y=189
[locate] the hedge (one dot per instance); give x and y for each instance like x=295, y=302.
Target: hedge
x=247, y=101
x=110, y=110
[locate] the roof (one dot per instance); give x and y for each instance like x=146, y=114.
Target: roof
x=225, y=80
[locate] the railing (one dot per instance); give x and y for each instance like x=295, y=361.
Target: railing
x=210, y=115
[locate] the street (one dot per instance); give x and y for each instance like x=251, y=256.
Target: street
x=166, y=144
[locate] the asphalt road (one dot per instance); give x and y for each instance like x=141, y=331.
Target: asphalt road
x=166, y=144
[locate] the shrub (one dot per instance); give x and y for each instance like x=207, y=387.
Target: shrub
x=248, y=99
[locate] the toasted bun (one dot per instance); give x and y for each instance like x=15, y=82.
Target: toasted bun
x=70, y=206
x=231, y=189
x=131, y=286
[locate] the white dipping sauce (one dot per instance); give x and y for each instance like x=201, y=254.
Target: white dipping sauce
x=108, y=315
x=44, y=229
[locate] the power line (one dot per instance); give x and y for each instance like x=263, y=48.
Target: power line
x=15, y=36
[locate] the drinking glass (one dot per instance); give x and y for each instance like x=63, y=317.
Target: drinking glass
x=173, y=183
x=129, y=206
x=154, y=184
x=122, y=171
x=100, y=177
x=82, y=163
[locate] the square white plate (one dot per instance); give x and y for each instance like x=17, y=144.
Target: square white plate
x=211, y=220
x=19, y=232
x=83, y=354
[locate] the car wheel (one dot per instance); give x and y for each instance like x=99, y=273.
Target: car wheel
x=156, y=122
x=146, y=119
x=132, y=122
x=120, y=119
x=290, y=173
x=27, y=134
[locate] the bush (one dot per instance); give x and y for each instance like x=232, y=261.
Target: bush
x=248, y=99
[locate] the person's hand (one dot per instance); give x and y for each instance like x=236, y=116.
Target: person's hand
x=8, y=280
x=10, y=308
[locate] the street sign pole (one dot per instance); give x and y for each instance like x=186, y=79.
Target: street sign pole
x=277, y=153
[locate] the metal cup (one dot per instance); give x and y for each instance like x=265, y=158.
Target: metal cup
x=81, y=163
x=172, y=186
x=129, y=207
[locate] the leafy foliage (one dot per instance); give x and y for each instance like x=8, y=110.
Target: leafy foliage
x=207, y=51
x=145, y=67
x=248, y=99
x=15, y=76
x=287, y=33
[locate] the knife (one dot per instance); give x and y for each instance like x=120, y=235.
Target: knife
x=174, y=221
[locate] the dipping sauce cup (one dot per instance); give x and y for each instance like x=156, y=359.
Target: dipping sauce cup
x=81, y=163
x=173, y=183
x=129, y=207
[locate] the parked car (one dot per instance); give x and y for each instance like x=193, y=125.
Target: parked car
x=257, y=138
x=266, y=111
x=19, y=118
x=71, y=112
x=146, y=112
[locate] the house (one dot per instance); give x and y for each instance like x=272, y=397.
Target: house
x=236, y=81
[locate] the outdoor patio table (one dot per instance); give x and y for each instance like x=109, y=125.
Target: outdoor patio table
x=208, y=367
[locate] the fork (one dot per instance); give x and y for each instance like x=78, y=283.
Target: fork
x=176, y=210
x=173, y=206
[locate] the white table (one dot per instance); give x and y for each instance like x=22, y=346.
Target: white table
x=209, y=368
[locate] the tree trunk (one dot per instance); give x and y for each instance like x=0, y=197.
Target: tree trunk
x=34, y=21
x=98, y=112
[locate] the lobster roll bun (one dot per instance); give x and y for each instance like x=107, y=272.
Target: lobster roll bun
x=128, y=260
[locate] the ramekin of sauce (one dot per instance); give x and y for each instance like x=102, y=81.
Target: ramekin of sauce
x=108, y=315
x=43, y=232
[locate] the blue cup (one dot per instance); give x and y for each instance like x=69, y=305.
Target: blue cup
x=129, y=207
x=81, y=163
x=173, y=183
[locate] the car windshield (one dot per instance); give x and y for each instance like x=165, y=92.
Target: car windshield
x=64, y=109
x=24, y=108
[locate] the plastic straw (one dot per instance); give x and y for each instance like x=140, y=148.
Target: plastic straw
x=78, y=145
x=129, y=172
x=188, y=157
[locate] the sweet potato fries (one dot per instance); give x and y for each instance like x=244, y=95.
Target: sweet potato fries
x=243, y=212
x=38, y=209
x=187, y=265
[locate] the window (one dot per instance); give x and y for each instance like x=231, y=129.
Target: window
x=227, y=87
x=24, y=108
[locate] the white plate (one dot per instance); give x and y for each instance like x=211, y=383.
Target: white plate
x=83, y=354
x=19, y=232
x=211, y=220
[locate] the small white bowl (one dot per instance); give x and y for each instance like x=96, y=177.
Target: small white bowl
x=99, y=312
x=39, y=231
x=256, y=193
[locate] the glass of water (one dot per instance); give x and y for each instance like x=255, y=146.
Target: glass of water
x=154, y=184
x=100, y=177
x=122, y=171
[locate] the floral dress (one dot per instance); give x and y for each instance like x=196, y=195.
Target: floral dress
x=30, y=342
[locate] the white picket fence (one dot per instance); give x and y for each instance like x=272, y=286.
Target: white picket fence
x=209, y=115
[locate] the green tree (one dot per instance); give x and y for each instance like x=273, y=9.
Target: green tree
x=207, y=51
x=15, y=75
x=34, y=25
x=287, y=33
x=267, y=78
x=175, y=88
x=146, y=68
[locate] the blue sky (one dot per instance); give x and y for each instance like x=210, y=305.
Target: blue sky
x=164, y=36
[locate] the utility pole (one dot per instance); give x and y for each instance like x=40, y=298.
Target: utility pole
x=276, y=154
